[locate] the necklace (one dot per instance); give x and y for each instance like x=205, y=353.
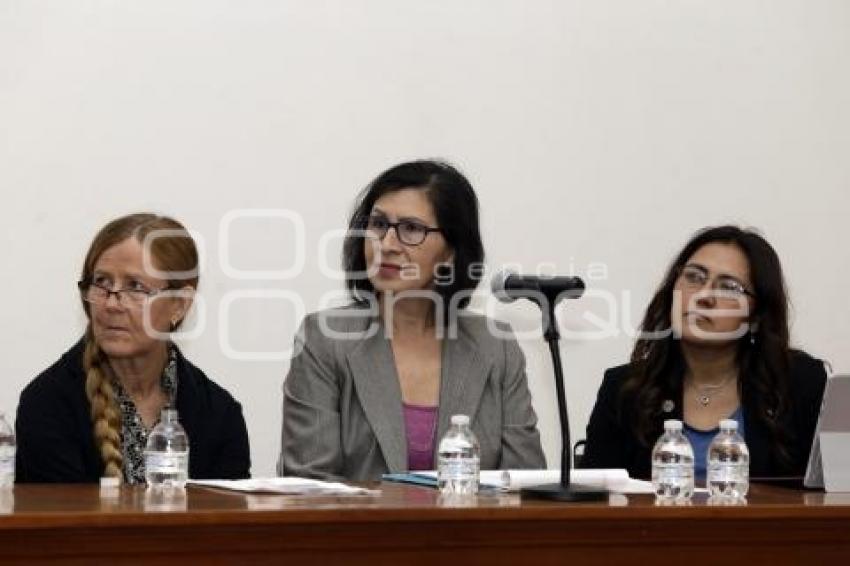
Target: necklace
x=705, y=393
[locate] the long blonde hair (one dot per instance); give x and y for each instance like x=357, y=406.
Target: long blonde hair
x=174, y=251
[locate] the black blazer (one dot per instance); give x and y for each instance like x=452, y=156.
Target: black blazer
x=54, y=428
x=612, y=443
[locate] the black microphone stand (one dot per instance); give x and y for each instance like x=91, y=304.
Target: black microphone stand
x=564, y=490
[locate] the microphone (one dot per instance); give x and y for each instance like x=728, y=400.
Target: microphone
x=508, y=287
x=545, y=293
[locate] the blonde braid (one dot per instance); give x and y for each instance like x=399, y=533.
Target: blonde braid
x=104, y=410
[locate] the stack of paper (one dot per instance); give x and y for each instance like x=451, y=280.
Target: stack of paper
x=286, y=486
x=614, y=480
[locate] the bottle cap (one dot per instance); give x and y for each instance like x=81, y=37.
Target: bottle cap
x=729, y=424
x=168, y=415
x=672, y=424
x=460, y=420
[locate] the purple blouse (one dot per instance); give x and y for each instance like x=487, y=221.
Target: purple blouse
x=420, y=424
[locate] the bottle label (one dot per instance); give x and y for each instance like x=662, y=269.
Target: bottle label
x=7, y=458
x=458, y=468
x=728, y=472
x=7, y=465
x=171, y=461
x=673, y=473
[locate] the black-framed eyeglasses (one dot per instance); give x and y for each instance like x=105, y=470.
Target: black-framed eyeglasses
x=724, y=286
x=97, y=293
x=408, y=232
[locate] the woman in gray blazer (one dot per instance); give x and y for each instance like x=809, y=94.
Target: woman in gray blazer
x=372, y=386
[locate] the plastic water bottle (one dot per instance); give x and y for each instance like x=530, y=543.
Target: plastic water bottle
x=459, y=459
x=673, y=465
x=728, y=461
x=167, y=453
x=7, y=453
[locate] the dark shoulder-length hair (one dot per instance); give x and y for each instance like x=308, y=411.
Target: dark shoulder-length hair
x=456, y=209
x=763, y=354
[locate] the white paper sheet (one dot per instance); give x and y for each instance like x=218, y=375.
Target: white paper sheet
x=286, y=486
x=615, y=480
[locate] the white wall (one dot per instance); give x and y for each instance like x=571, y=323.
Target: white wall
x=594, y=132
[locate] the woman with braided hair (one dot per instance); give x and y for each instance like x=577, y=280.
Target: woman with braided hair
x=89, y=414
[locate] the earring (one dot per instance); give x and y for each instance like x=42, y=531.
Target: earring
x=752, y=338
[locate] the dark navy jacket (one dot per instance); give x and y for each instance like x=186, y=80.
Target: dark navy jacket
x=54, y=428
x=611, y=442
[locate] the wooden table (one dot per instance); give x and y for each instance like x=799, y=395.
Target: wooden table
x=411, y=525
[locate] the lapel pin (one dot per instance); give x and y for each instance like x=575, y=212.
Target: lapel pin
x=668, y=405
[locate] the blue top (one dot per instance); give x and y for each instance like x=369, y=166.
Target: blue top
x=700, y=439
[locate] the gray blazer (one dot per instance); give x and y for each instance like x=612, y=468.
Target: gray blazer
x=342, y=407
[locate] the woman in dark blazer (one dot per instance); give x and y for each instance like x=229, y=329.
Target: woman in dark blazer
x=372, y=387
x=89, y=414
x=714, y=344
